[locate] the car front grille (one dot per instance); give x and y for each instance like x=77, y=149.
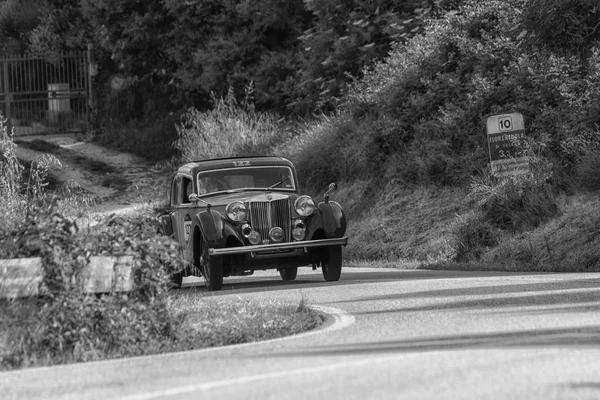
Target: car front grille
x=265, y=215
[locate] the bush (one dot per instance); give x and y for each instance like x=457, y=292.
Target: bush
x=474, y=235
x=71, y=325
x=588, y=172
x=67, y=324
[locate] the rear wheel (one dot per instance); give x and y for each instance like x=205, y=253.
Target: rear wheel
x=176, y=279
x=211, y=267
x=331, y=263
x=288, y=274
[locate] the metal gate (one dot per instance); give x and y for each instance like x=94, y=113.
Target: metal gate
x=38, y=96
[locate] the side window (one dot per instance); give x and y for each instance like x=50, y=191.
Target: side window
x=176, y=191
x=187, y=189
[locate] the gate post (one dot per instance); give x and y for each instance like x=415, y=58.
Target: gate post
x=92, y=71
x=7, y=96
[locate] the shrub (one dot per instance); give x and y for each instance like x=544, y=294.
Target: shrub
x=516, y=203
x=474, y=235
x=71, y=325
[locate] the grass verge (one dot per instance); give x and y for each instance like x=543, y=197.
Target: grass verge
x=219, y=323
x=31, y=337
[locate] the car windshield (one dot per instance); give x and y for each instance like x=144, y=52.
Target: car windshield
x=223, y=180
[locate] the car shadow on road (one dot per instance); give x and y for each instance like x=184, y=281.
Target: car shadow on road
x=587, y=298
x=489, y=290
x=252, y=284
x=570, y=337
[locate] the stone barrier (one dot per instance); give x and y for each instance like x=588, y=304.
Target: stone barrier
x=22, y=277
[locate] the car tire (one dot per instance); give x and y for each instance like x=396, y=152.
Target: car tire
x=288, y=274
x=176, y=280
x=212, y=269
x=331, y=263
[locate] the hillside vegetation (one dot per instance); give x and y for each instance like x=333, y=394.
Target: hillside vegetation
x=408, y=142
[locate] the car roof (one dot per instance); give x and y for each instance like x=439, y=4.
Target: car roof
x=228, y=162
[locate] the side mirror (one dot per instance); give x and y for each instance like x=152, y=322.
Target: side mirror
x=332, y=188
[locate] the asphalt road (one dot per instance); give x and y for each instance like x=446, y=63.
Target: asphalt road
x=392, y=334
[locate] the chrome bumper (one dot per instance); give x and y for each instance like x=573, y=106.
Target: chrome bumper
x=278, y=246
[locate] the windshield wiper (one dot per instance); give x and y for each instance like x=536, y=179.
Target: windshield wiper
x=279, y=183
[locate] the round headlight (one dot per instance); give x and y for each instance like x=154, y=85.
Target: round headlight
x=276, y=234
x=304, y=206
x=236, y=211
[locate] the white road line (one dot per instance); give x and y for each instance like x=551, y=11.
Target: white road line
x=342, y=319
x=72, y=144
x=248, y=379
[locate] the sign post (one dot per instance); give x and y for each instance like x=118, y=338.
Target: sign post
x=505, y=135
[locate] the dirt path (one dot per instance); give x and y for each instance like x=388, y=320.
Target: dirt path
x=116, y=180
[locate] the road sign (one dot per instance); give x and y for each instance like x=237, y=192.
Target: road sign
x=506, y=134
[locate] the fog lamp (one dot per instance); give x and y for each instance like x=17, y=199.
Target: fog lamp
x=298, y=233
x=276, y=234
x=254, y=238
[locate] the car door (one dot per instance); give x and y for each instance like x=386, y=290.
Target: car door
x=183, y=211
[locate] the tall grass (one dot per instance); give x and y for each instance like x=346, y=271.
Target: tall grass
x=229, y=129
x=20, y=186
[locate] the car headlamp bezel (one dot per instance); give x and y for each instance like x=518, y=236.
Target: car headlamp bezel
x=304, y=205
x=236, y=211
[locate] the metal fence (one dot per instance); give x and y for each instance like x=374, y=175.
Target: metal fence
x=39, y=96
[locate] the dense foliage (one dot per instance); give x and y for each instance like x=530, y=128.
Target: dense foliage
x=299, y=53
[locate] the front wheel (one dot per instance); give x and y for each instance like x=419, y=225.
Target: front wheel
x=288, y=274
x=331, y=263
x=212, y=268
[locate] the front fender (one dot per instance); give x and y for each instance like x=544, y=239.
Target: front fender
x=333, y=219
x=211, y=226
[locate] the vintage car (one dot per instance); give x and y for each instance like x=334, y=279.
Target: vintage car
x=233, y=216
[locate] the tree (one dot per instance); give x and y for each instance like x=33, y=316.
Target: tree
x=347, y=36
x=564, y=25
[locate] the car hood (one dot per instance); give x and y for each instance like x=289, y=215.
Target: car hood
x=222, y=199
